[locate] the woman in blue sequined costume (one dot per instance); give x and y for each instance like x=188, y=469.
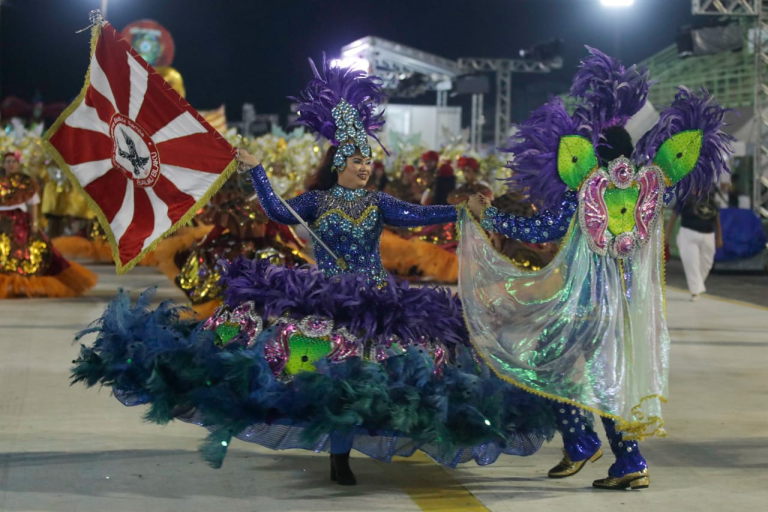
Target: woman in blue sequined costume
x=589, y=331
x=331, y=358
x=348, y=218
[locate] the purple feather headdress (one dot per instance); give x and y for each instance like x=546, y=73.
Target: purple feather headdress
x=691, y=112
x=611, y=94
x=340, y=105
x=534, y=153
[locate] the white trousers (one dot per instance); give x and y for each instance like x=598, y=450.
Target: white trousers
x=697, y=250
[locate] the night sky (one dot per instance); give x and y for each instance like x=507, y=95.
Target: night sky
x=236, y=51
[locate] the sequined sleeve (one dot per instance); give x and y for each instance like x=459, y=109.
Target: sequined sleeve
x=669, y=196
x=400, y=214
x=541, y=227
x=305, y=204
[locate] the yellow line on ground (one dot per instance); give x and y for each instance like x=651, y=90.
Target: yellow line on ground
x=446, y=495
x=446, y=500
x=723, y=299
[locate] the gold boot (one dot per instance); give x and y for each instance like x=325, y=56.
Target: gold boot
x=636, y=480
x=567, y=467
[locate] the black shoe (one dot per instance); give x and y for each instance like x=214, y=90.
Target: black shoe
x=341, y=473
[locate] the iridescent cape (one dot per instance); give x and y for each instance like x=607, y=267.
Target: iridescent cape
x=590, y=329
x=587, y=329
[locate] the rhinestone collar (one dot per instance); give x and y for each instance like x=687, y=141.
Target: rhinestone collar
x=348, y=194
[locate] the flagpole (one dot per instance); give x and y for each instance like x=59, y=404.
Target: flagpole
x=104, y=8
x=339, y=261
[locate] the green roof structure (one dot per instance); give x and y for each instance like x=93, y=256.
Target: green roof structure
x=729, y=76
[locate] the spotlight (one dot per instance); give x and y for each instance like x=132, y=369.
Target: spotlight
x=352, y=62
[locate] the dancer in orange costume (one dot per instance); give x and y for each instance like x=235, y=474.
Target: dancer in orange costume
x=29, y=265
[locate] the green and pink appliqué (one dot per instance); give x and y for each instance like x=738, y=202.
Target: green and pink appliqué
x=299, y=344
x=618, y=205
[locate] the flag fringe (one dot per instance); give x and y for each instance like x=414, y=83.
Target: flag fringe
x=214, y=188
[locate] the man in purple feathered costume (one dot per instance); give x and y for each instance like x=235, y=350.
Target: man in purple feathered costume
x=589, y=331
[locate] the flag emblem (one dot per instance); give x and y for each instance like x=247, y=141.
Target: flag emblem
x=134, y=152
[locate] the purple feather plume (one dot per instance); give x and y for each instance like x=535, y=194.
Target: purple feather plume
x=328, y=88
x=368, y=311
x=534, y=153
x=691, y=112
x=610, y=93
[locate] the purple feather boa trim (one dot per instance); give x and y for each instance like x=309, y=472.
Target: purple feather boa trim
x=367, y=311
x=328, y=88
x=534, y=153
x=691, y=112
x=611, y=93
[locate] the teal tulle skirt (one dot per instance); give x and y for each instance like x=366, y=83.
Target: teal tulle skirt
x=272, y=377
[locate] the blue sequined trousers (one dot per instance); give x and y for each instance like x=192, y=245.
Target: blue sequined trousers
x=581, y=441
x=628, y=458
x=349, y=222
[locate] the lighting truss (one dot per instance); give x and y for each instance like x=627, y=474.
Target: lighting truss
x=726, y=7
x=398, y=64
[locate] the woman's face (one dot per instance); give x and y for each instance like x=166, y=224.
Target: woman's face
x=357, y=172
x=470, y=175
x=10, y=164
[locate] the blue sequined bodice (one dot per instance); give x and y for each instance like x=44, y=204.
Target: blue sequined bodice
x=349, y=222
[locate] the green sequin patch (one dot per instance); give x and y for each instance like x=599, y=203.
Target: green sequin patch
x=226, y=331
x=305, y=352
x=678, y=155
x=575, y=160
x=621, y=205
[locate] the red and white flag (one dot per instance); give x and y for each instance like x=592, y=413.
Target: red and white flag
x=143, y=156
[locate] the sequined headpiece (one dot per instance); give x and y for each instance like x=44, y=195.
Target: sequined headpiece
x=430, y=156
x=349, y=134
x=468, y=161
x=340, y=105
